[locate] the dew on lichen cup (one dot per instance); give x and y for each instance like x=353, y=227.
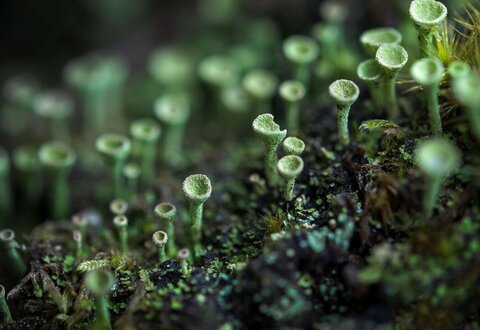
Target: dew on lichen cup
x=293, y=146
x=345, y=93
x=437, y=158
x=197, y=189
x=292, y=92
x=290, y=168
x=173, y=111
x=260, y=84
x=270, y=133
x=371, y=40
x=428, y=72
x=301, y=51
x=427, y=16
x=391, y=58
x=58, y=158
x=115, y=148
x=56, y=107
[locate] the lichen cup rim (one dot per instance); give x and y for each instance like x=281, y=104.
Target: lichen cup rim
x=112, y=144
x=197, y=187
x=369, y=70
x=437, y=157
x=160, y=238
x=427, y=71
x=145, y=129
x=165, y=210
x=265, y=127
x=374, y=38
x=172, y=109
x=300, y=49
x=425, y=19
x=392, y=57
x=290, y=166
x=292, y=90
x=294, y=145
x=345, y=92
x=56, y=154
x=260, y=83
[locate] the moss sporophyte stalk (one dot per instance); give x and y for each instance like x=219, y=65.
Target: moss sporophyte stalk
x=115, y=149
x=391, y=58
x=292, y=93
x=100, y=283
x=58, y=159
x=345, y=93
x=437, y=158
x=271, y=135
x=167, y=213
x=428, y=72
x=290, y=168
x=173, y=111
x=427, y=16
x=197, y=189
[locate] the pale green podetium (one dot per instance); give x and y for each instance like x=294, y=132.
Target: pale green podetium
x=58, y=158
x=172, y=68
x=160, y=239
x=5, y=194
x=427, y=16
x=301, y=51
x=56, y=107
x=197, y=189
x=26, y=162
x=118, y=206
x=115, y=149
x=100, y=283
x=458, y=69
x=6, y=316
x=271, y=135
x=467, y=92
x=428, y=72
x=132, y=172
x=437, y=158
x=173, y=111
x=261, y=85
x=184, y=255
x=392, y=58
x=293, y=146
x=370, y=73
x=371, y=40
x=292, y=93
x=10, y=247
x=345, y=93
x=19, y=92
x=167, y=213
x=121, y=224
x=146, y=133
x=100, y=80
x=290, y=168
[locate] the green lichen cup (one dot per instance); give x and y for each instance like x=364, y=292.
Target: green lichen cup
x=289, y=167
